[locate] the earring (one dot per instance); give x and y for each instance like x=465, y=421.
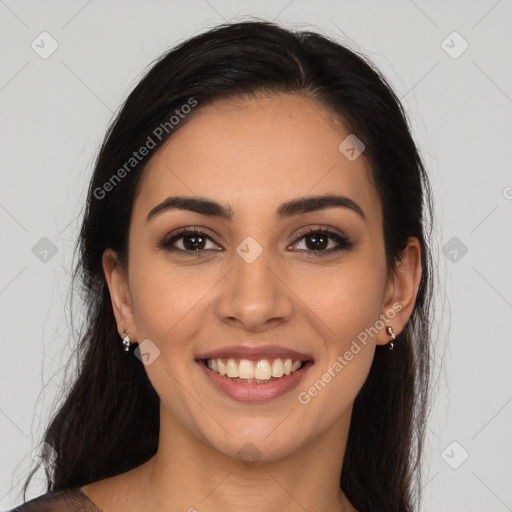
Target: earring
x=126, y=341
x=391, y=345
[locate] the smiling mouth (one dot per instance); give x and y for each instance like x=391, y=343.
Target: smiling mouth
x=247, y=371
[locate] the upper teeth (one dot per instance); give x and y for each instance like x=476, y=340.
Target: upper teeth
x=247, y=369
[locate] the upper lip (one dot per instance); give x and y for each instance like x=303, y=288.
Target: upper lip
x=255, y=352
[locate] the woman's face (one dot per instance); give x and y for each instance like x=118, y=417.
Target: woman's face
x=257, y=290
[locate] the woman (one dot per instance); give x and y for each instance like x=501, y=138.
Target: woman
x=255, y=242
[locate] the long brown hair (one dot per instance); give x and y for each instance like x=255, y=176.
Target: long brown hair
x=109, y=420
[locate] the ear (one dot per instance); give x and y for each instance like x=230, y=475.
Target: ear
x=401, y=291
x=117, y=280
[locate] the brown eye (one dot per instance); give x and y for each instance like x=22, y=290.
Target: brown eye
x=191, y=241
x=194, y=242
x=317, y=242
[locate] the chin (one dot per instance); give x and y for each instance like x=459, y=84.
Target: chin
x=257, y=442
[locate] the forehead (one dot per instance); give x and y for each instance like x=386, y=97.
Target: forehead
x=254, y=154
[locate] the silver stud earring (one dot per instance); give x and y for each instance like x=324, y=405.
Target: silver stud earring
x=126, y=341
x=391, y=345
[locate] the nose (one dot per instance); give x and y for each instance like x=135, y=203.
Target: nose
x=254, y=294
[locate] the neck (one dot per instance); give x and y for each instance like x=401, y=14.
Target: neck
x=186, y=474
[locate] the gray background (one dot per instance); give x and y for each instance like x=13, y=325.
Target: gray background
x=55, y=111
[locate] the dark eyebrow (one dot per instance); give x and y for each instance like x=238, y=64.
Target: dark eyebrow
x=211, y=208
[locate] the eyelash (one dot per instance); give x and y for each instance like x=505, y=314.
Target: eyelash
x=343, y=242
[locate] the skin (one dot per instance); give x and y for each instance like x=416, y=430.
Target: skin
x=264, y=151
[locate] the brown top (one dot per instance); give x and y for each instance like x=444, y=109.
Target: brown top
x=67, y=500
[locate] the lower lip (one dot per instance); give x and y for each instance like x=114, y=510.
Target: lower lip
x=242, y=392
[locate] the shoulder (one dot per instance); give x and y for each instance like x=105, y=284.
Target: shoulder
x=66, y=500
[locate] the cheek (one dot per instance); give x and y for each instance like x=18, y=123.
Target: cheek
x=348, y=303
x=347, y=300
x=167, y=305
x=165, y=299
x=340, y=372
